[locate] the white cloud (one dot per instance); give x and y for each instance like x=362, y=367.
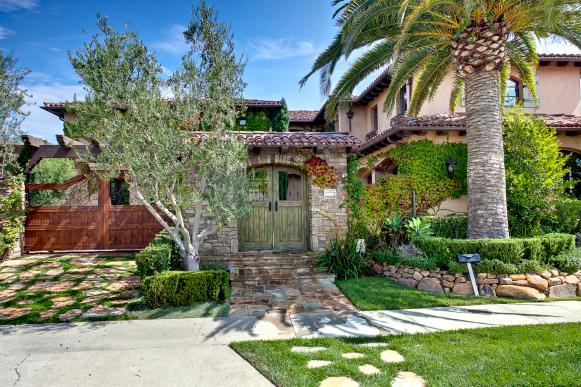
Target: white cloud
x=41, y=123
x=550, y=46
x=174, y=42
x=281, y=48
x=13, y=5
x=4, y=32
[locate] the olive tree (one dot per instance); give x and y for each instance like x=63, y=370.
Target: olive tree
x=168, y=137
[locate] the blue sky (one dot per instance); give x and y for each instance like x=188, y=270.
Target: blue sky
x=279, y=38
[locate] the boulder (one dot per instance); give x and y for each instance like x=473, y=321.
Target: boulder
x=377, y=269
x=505, y=281
x=431, y=285
x=463, y=289
x=519, y=292
x=487, y=291
x=554, y=281
x=447, y=284
x=418, y=276
x=562, y=291
x=537, y=282
x=449, y=278
x=516, y=277
x=409, y=282
x=546, y=274
x=571, y=279
x=460, y=279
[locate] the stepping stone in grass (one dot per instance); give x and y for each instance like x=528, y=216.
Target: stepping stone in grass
x=318, y=363
x=103, y=311
x=13, y=313
x=369, y=369
x=339, y=381
x=307, y=349
x=390, y=356
x=408, y=379
x=70, y=315
x=353, y=355
x=60, y=302
x=47, y=313
x=373, y=345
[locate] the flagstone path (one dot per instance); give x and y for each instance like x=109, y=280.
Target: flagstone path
x=58, y=288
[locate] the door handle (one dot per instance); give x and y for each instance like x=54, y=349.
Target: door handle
x=276, y=206
x=269, y=206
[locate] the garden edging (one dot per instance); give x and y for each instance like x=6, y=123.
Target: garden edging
x=550, y=283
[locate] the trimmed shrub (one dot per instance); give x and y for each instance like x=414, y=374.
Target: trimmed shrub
x=493, y=266
x=183, y=288
x=153, y=259
x=568, y=263
x=510, y=251
x=163, y=239
x=420, y=262
x=452, y=226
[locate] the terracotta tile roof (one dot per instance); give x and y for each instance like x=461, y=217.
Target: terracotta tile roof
x=303, y=115
x=444, y=122
x=295, y=139
x=559, y=55
x=262, y=103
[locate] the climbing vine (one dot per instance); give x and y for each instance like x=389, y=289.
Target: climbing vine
x=323, y=174
x=421, y=167
x=355, y=193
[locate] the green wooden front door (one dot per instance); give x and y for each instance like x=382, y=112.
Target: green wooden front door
x=278, y=217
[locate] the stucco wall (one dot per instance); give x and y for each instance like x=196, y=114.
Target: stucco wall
x=324, y=216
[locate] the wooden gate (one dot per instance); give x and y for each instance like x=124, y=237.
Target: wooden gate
x=86, y=228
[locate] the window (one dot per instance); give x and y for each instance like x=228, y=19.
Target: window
x=517, y=92
x=511, y=97
x=403, y=100
x=243, y=122
x=374, y=119
x=119, y=192
x=574, y=175
x=289, y=186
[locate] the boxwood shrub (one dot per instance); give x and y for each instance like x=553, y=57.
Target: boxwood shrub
x=183, y=288
x=516, y=252
x=452, y=226
x=153, y=259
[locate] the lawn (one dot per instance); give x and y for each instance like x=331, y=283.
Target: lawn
x=539, y=355
x=378, y=293
x=63, y=288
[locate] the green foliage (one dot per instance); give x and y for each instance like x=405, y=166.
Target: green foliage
x=12, y=102
x=280, y=119
x=421, y=166
x=421, y=262
x=51, y=171
x=179, y=288
x=257, y=121
x=341, y=257
x=418, y=228
x=11, y=213
x=126, y=111
x=153, y=259
x=534, y=173
x=504, y=256
x=355, y=194
x=568, y=262
x=451, y=226
x=565, y=217
x=394, y=231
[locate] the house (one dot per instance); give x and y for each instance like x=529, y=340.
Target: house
x=296, y=210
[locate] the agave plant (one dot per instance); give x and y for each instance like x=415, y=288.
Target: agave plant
x=418, y=228
x=478, y=41
x=395, y=233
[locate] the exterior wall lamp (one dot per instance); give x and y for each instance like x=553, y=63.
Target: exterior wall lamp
x=349, y=117
x=451, y=167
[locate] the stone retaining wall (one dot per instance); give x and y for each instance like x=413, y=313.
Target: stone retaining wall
x=552, y=284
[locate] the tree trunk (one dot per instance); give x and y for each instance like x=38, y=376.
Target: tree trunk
x=487, y=214
x=192, y=261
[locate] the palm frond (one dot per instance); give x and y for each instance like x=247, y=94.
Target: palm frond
x=456, y=94
x=430, y=78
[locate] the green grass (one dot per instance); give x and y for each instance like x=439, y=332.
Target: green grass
x=378, y=293
x=539, y=355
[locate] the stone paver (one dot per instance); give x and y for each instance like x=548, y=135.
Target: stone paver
x=339, y=381
x=307, y=349
x=70, y=315
x=391, y=356
x=318, y=363
x=369, y=369
x=352, y=355
x=408, y=379
x=13, y=313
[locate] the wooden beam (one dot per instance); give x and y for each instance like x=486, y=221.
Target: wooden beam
x=55, y=186
x=562, y=64
x=440, y=133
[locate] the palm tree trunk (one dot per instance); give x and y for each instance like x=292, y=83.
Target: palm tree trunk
x=487, y=215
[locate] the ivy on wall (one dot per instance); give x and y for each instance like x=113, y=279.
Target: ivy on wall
x=421, y=166
x=323, y=174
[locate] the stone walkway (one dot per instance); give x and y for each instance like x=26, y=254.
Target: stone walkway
x=285, y=283
x=66, y=287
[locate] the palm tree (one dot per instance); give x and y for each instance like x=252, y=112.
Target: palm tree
x=478, y=40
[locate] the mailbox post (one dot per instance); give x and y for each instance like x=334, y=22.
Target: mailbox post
x=469, y=259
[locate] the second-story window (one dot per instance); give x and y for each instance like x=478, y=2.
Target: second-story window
x=517, y=92
x=374, y=119
x=403, y=100
x=511, y=97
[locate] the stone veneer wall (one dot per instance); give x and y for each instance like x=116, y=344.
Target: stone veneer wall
x=324, y=214
x=552, y=284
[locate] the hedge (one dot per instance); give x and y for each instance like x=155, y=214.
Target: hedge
x=160, y=255
x=183, y=288
x=512, y=251
x=452, y=226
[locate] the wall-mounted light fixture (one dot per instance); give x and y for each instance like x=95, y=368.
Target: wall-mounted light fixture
x=451, y=167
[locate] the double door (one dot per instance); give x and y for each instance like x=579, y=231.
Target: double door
x=278, y=218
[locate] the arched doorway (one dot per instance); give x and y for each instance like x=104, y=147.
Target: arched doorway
x=278, y=217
